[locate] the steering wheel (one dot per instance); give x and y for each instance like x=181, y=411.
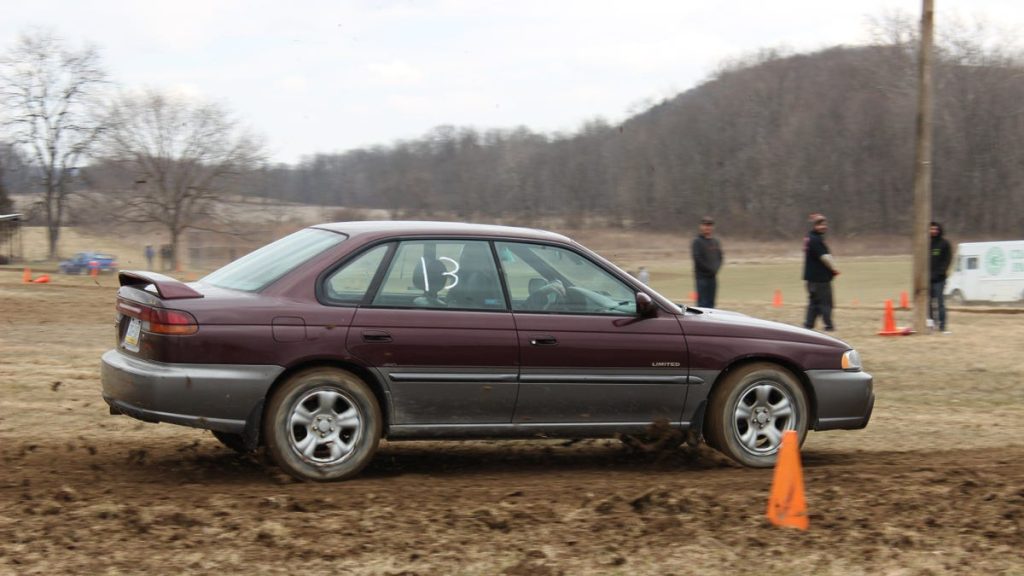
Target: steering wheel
x=555, y=301
x=546, y=298
x=538, y=301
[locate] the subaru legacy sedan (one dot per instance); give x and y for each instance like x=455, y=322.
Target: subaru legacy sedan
x=320, y=344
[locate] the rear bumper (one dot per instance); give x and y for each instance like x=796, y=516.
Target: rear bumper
x=213, y=396
x=845, y=399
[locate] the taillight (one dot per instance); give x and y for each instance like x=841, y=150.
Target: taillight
x=161, y=320
x=164, y=321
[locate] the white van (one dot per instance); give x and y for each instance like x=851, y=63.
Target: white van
x=987, y=272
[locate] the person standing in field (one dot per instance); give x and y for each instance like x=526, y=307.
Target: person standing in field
x=707, y=259
x=938, y=265
x=819, y=270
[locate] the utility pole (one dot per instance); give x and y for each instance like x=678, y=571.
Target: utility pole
x=923, y=169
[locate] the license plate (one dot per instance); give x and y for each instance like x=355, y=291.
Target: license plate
x=131, y=337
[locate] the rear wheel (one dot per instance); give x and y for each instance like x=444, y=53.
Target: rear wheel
x=751, y=409
x=322, y=424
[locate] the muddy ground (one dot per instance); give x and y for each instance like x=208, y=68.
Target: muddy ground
x=935, y=484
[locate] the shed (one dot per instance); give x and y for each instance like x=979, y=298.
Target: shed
x=10, y=238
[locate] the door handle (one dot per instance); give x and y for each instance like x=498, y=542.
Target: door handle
x=543, y=341
x=376, y=336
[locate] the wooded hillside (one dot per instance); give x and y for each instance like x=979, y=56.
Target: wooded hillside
x=759, y=145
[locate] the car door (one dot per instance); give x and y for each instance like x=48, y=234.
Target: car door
x=586, y=357
x=445, y=364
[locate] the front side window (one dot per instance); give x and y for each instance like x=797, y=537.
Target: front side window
x=556, y=280
x=349, y=284
x=257, y=270
x=451, y=274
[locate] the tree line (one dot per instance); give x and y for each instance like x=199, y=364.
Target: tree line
x=762, y=142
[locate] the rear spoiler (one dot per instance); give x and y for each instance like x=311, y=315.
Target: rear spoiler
x=166, y=287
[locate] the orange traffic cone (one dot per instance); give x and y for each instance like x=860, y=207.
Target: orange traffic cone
x=693, y=295
x=904, y=301
x=26, y=276
x=889, y=323
x=94, y=272
x=787, y=505
x=777, y=300
x=44, y=279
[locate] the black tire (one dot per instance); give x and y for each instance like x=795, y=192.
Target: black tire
x=750, y=410
x=234, y=441
x=323, y=424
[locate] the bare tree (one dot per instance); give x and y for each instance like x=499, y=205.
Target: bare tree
x=174, y=160
x=5, y=202
x=19, y=176
x=50, y=93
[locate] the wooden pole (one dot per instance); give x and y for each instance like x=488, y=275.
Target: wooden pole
x=923, y=170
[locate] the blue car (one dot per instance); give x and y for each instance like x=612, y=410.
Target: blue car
x=85, y=262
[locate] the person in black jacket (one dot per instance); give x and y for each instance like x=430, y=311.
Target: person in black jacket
x=938, y=265
x=819, y=270
x=707, y=259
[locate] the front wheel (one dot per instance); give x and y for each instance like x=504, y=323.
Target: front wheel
x=322, y=424
x=751, y=409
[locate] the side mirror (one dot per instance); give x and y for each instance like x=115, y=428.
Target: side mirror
x=645, y=307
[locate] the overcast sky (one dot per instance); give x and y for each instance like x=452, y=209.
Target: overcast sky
x=331, y=75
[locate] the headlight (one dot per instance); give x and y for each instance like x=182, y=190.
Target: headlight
x=851, y=360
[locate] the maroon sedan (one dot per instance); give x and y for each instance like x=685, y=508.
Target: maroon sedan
x=321, y=343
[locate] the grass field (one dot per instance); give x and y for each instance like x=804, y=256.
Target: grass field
x=863, y=281
x=752, y=273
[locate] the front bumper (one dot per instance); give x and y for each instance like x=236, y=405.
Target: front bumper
x=844, y=399
x=213, y=396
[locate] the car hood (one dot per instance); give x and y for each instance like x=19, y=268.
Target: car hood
x=716, y=322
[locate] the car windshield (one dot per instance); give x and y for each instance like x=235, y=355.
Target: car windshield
x=258, y=269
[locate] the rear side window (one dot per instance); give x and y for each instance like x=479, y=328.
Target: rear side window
x=259, y=269
x=972, y=263
x=451, y=274
x=349, y=284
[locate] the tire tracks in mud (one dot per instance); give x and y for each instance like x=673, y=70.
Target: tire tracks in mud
x=501, y=507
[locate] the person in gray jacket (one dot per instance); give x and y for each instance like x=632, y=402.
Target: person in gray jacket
x=707, y=260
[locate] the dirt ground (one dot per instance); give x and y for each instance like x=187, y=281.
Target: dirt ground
x=934, y=485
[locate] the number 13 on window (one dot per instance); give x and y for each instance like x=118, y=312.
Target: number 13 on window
x=452, y=274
